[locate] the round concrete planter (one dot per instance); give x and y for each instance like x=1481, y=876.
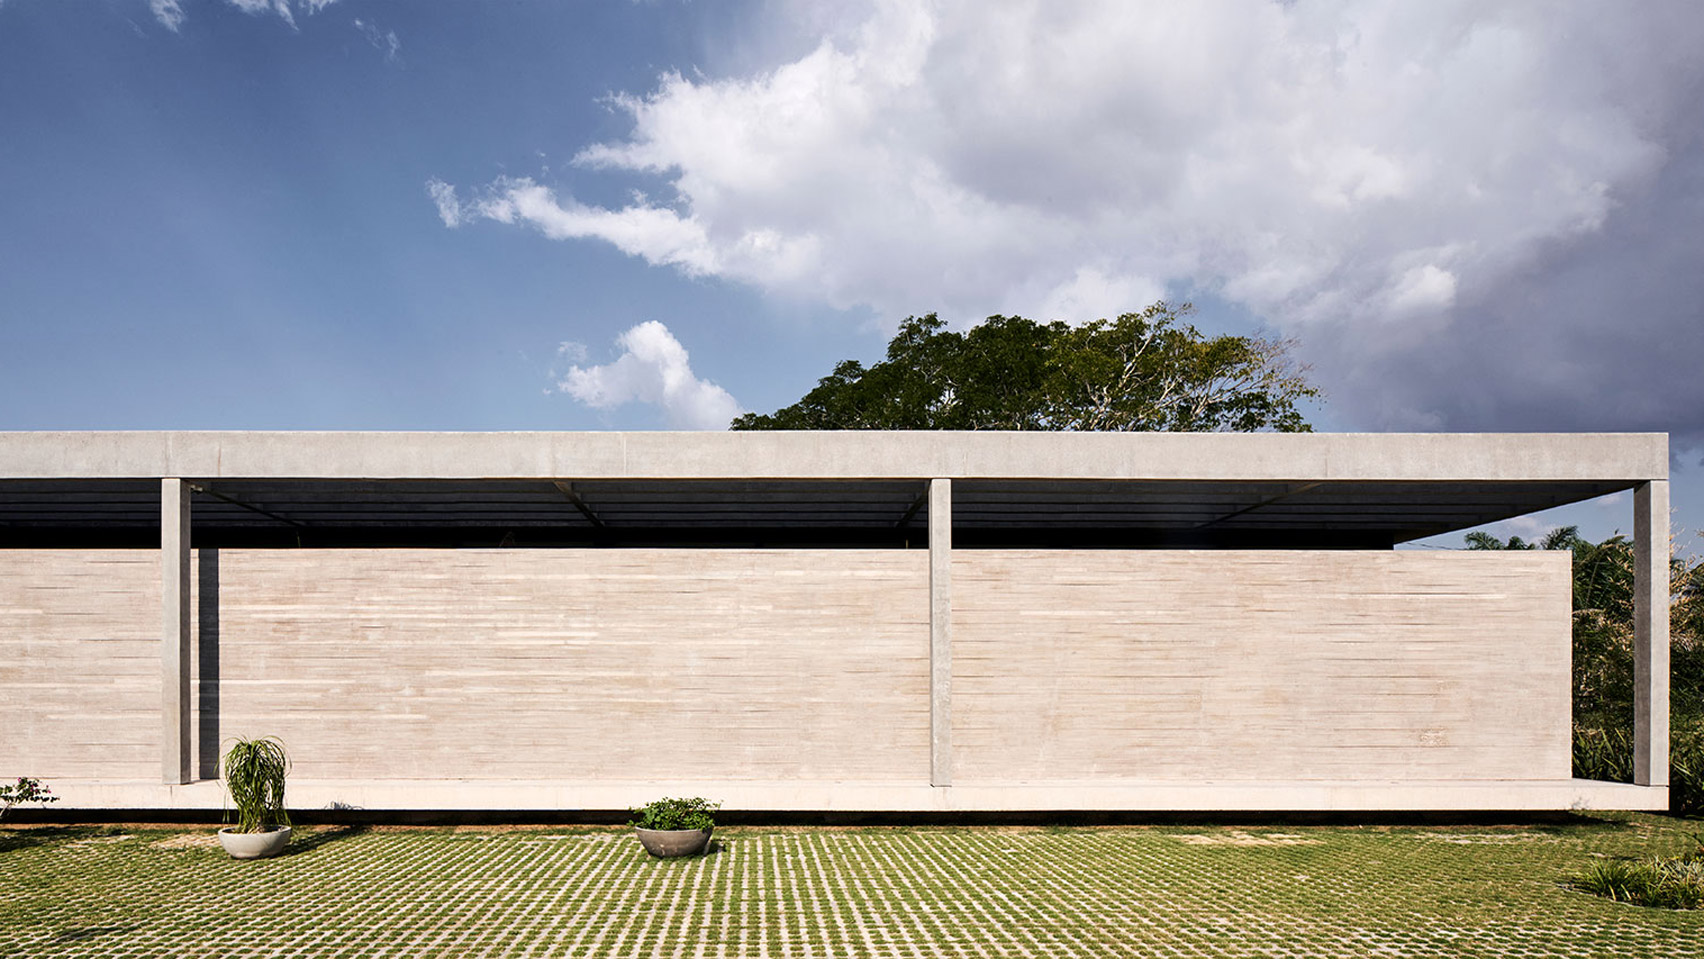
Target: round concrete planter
x=255, y=845
x=669, y=843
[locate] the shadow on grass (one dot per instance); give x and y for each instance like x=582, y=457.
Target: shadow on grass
x=12, y=840
x=712, y=850
x=325, y=836
x=1577, y=822
x=93, y=932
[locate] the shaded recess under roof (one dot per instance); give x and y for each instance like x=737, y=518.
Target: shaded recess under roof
x=987, y=513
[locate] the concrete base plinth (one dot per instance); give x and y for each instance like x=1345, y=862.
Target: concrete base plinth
x=1295, y=796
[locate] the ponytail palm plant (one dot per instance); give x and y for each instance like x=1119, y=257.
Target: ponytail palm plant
x=254, y=777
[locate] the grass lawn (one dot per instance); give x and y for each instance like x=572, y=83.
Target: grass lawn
x=963, y=891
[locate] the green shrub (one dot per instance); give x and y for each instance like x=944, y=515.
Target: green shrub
x=694, y=813
x=1686, y=768
x=254, y=776
x=1606, y=754
x=25, y=790
x=1603, y=754
x=1663, y=883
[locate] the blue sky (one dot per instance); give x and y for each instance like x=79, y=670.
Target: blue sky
x=375, y=214
x=228, y=226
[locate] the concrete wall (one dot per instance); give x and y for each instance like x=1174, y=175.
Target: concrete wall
x=1275, y=666
x=579, y=664
x=780, y=666
x=80, y=664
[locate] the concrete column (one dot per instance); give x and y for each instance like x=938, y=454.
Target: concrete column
x=174, y=631
x=1651, y=634
x=940, y=632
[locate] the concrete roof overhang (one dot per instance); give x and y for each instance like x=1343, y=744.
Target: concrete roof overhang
x=851, y=488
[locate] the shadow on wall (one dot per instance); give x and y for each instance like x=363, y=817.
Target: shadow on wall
x=207, y=663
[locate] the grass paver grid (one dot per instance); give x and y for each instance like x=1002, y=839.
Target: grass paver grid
x=918, y=893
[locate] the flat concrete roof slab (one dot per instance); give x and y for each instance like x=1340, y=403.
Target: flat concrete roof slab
x=1109, y=489
x=1393, y=457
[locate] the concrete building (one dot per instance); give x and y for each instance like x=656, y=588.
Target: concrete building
x=810, y=621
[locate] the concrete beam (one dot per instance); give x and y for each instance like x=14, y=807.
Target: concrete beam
x=1651, y=634
x=940, y=632
x=175, y=613
x=1293, y=457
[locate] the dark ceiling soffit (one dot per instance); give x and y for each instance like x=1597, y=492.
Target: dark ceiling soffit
x=1303, y=488
x=921, y=501
x=1398, y=507
x=209, y=491
x=567, y=490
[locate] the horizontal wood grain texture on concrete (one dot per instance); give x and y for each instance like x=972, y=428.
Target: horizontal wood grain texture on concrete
x=585, y=664
x=1278, y=666
x=80, y=664
x=799, y=679
x=837, y=455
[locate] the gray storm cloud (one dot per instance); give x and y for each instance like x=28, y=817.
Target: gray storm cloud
x=1598, y=331
x=1474, y=214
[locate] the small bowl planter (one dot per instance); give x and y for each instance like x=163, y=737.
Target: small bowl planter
x=669, y=843
x=669, y=828
x=254, y=845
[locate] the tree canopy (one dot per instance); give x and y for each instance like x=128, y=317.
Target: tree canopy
x=1142, y=371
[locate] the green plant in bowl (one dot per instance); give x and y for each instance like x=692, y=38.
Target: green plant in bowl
x=675, y=827
x=255, y=771
x=694, y=813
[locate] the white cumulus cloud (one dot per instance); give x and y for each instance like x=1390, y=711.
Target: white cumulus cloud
x=658, y=234
x=384, y=41
x=1367, y=174
x=1010, y=155
x=171, y=15
x=653, y=368
x=444, y=196
x=168, y=12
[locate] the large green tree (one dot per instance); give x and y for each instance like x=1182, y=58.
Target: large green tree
x=1150, y=370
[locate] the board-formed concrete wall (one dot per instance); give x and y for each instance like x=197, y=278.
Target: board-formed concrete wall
x=1260, y=666
x=579, y=664
x=80, y=664
x=778, y=666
